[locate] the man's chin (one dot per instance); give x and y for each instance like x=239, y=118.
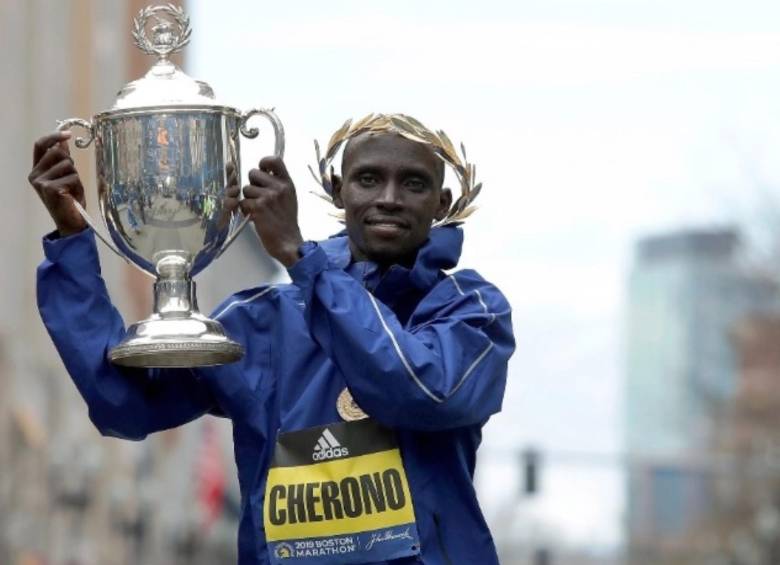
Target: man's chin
x=391, y=255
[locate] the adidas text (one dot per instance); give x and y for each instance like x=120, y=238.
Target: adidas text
x=328, y=447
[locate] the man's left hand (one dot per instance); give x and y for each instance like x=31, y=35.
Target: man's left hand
x=271, y=202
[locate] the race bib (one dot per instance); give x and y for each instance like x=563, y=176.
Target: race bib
x=338, y=494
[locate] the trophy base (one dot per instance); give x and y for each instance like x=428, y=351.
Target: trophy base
x=191, y=341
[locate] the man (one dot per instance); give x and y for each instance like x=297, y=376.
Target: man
x=357, y=409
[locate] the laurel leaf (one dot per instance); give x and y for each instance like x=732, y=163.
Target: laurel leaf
x=430, y=137
x=313, y=174
x=475, y=191
x=459, y=205
x=317, y=150
x=322, y=196
x=467, y=198
x=401, y=125
x=460, y=216
x=339, y=134
x=362, y=122
x=409, y=131
x=381, y=122
x=447, y=144
x=415, y=123
x=339, y=215
x=440, y=155
x=413, y=137
x=467, y=212
x=333, y=150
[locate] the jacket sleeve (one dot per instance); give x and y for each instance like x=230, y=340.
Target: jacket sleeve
x=84, y=325
x=447, y=368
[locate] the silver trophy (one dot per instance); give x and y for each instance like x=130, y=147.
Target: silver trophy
x=165, y=154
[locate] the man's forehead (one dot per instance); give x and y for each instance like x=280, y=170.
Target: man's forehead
x=387, y=146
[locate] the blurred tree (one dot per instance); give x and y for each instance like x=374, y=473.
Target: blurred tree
x=744, y=525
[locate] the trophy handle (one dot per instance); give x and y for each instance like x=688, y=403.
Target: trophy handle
x=252, y=133
x=83, y=143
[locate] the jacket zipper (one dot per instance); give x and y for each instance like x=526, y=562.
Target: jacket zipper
x=440, y=539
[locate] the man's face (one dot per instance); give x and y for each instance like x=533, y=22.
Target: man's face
x=391, y=191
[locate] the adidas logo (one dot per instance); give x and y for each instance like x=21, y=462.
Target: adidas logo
x=328, y=447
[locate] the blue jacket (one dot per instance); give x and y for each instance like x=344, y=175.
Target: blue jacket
x=422, y=352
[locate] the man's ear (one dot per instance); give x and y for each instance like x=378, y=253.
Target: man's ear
x=337, y=184
x=445, y=201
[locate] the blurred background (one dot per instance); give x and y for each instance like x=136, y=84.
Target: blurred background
x=631, y=214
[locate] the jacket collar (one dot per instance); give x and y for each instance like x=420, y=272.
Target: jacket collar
x=441, y=251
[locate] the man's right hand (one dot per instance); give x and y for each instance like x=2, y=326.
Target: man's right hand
x=55, y=179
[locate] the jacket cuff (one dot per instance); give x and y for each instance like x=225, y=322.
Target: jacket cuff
x=312, y=262
x=75, y=251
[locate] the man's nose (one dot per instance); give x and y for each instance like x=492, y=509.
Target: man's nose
x=390, y=196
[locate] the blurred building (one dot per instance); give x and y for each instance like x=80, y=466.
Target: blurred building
x=687, y=290
x=68, y=495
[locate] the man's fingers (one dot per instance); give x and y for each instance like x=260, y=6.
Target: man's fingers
x=252, y=191
x=246, y=207
x=230, y=201
x=262, y=179
x=274, y=165
x=255, y=198
x=65, y=185
x=61, y=169
x=65, y=146
x=52, y=156
x=71, y=180
x=230, y=204
x=231, y=174
x=44, y=143
x=54, y=192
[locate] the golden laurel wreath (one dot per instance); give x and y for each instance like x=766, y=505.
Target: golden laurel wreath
x=409, y=128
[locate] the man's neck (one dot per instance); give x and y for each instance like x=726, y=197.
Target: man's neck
x=383, y=263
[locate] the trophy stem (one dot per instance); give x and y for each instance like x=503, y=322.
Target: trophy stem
x=174, y=298
x=176, y=334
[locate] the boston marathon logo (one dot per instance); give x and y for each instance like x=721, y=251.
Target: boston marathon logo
x=284, y=551
x=328, y=447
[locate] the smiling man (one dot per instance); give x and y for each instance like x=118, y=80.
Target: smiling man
x=358, y=407
x=392, y=188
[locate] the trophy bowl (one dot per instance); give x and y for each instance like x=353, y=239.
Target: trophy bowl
x=165, y=154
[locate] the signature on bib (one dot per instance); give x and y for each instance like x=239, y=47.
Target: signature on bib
x=388, y=535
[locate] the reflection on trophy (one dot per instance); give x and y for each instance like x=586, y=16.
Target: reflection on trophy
x=165, y=154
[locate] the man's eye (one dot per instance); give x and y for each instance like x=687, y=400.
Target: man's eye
x=367, y=180
x=414, y=184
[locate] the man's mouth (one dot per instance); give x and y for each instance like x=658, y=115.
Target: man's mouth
x=387, y=222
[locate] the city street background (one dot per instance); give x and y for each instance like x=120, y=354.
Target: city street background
x=630, y=213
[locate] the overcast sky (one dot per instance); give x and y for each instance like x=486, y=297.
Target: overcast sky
x=591, y=122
